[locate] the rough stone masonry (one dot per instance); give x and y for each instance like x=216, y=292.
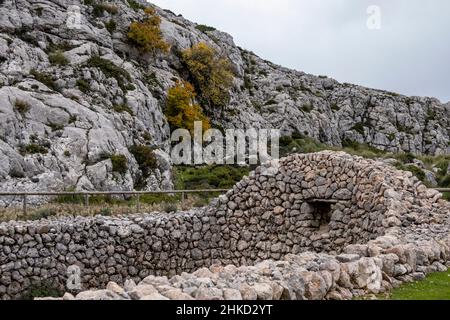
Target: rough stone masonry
x=315, y=226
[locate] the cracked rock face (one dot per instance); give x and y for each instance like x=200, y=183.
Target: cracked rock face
x=74, y=116
x=327, y=225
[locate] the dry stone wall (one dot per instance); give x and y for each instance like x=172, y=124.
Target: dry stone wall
x=325, y=225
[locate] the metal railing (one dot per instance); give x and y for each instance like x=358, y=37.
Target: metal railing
x=87, y=194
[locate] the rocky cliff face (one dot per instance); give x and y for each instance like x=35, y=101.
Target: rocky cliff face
x=72, y=97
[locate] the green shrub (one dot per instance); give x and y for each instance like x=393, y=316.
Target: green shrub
x=101, y=8
x=136, y=6
x=111, y=26
x=152, y=80
x=335, y=107
x=446, y=196
x=119, y=163
x=58, y=58
x=41, y=214
x=208, y=177
x=60, y=46
x=33, y=148
x=347, y=143
x=416, y=171
x=431, y=115
x=443, y=166
x=67, y=154
x=21, y=106
x=44, y=78
x=25, y=33
x=121, y=108
x=359, y=127
x=170, y=207
x=307, y=108
x=270, y=102
x=71, y=199
x=248, y=83
x=300, y=144
x=263, y=73
x=110, y=70
x=73, y=118
x=43, y=289
x=445, y=182
x=159, y=198
x=83, y=86
x=55, y=126
x=405, y=158
x=147, y=136
x=146, y=159
x=204, y=28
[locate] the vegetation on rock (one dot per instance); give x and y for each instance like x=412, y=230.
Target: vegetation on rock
x=33, y=148
x=110, y=70
x=121, y=108
x=58, y=58
x=44, y=78
x=211, y=73
x=21, y=106
x=181, y=110
x=146, y=35
x=119, y=163
x=146, y=159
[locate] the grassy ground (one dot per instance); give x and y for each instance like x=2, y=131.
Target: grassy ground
x=435, y=287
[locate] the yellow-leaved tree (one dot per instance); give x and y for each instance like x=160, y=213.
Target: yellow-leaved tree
x=212, y=74
x=181, y=109
x=146, y=35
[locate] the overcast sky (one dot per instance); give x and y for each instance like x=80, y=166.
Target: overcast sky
x=409, y=54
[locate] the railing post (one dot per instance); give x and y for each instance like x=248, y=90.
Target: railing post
x=183, y=197
x=86, y=200
x=138, y=203
x=25, y=205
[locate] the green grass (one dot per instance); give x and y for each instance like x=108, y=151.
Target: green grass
x=43, y=289
x=209, y=177
x=203, y=28
x=434, y=287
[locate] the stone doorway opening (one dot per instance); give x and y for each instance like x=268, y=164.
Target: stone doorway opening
x=322, y=211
